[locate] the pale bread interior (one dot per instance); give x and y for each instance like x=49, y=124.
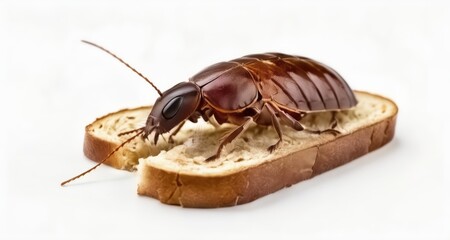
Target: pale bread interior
x=108, y=127
x=198, y=141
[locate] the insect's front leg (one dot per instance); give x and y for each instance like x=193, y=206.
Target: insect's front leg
x=208, y=116
x=176, y=131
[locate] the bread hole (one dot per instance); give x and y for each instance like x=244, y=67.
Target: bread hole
x=131, y=117
x=239, y=159
x=101, y=125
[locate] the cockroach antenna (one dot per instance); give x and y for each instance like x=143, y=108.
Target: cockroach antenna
x=139, y=132
x=126, y=64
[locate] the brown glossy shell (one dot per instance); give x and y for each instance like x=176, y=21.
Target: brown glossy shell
x=292, y=82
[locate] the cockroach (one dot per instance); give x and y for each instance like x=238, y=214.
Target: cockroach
x=264, y=88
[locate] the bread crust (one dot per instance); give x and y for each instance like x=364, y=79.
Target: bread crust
x=97, y=148
x=254, y=182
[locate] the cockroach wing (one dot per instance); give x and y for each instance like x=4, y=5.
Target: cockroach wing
x=276, y=85
x=298, y=83
x=212, y=72
x=319, y=79
x=232, y=91
x=294, y=83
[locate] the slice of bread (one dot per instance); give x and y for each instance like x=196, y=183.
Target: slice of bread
x=177, y=173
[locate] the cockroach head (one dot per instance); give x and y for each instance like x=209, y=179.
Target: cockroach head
x=173, y=107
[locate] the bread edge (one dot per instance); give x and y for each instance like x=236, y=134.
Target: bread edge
x=255, y=182
x=96, y=149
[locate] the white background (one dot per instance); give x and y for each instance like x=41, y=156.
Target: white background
x=51, y=86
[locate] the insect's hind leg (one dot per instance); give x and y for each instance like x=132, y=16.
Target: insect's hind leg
x=295, y=124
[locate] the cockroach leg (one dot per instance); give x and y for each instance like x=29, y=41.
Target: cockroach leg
x=331, y=131
x=333, y=125
x=207, y=116
x=171, y=141
x=291, y=121
x=333, y=121
x=213, y=121
x=230, y=136
x=299, y=127
x=276, y=125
